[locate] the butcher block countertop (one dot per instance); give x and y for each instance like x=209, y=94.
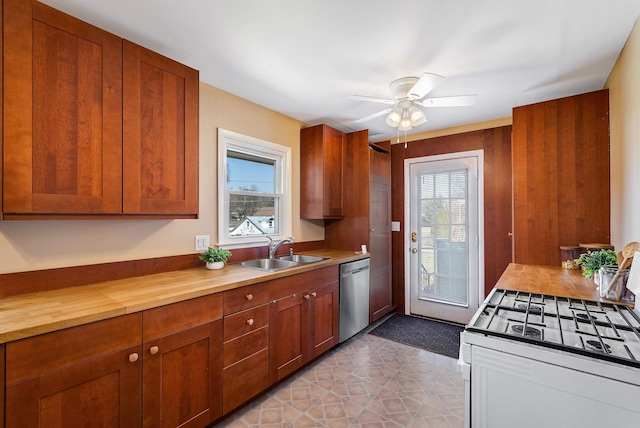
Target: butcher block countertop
x=549, y=280
x=32, y=314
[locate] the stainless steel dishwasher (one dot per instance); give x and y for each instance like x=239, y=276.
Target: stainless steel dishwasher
x=354, y=298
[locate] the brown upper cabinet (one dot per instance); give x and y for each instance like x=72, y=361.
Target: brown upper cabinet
x=160, y=134
x=65, y=153
x=321, y=172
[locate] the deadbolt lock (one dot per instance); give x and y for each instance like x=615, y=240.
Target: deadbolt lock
x=414, y=236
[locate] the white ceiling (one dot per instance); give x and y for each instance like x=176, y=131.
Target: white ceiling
x=303, y=58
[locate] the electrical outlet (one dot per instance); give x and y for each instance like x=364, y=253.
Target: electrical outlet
x=202, y=242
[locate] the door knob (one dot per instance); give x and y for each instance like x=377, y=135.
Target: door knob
x=414, y=250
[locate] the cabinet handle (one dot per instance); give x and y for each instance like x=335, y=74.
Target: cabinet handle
x=306, y=297
x=249, y=296
x=153, y=350
x=250, y=321
x=133, y=357
x=314, y=294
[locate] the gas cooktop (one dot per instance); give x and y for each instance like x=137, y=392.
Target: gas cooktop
x=601, y=330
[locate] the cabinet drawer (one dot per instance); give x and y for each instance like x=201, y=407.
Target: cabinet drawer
x=295, y=284
x=245, y=297
x=244, y=380
x=243, y=346
x=41, y=354
x=245, y=322
x=182, y=315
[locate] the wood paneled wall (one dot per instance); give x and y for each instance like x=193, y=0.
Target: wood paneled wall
x=561, y=176
x=496, y=144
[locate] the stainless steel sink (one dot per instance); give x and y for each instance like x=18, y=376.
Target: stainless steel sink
x=270, y=265
x=280, y=263
x=302, y=259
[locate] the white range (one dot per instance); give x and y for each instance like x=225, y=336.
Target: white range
x=534, y=360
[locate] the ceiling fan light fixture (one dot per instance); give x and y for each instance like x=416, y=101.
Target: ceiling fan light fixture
x=405, y=124
x=417, y=116
x=394, y=118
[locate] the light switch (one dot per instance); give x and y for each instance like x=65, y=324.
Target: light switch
x=202, y=242
x=395, y=226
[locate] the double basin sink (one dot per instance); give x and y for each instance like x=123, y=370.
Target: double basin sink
x=280, y=263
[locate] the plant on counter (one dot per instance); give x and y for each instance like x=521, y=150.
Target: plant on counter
x=215, y=257
x=591, y=261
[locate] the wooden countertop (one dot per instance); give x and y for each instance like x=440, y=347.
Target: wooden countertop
x=32, y=314
x=549, y=280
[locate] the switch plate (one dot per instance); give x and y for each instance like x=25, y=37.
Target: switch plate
x=395, y=226
x=202, y=242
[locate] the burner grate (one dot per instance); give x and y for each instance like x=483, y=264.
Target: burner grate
x=597, y=329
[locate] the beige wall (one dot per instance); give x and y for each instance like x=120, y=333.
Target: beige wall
x=624, y=105
x=35, y=245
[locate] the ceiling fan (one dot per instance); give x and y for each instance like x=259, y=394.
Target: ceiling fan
x=408, y=93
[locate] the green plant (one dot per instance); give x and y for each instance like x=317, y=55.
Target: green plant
x=211, y=255
x=593, y=260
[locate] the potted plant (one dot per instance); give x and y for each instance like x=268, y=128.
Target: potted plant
x=215, y=257
x=592, y=261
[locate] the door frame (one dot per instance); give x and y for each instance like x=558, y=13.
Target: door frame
x=479, y=154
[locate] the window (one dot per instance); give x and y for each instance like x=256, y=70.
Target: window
x=254, y=190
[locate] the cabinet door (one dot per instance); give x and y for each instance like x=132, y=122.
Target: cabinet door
x=380, y=290
x=321, y=172
x=324, y=316
x=100, y=392
x=62, y=113
x=181, y=378
x=86, y=376
x=182, y=363
x=286, y=336
x=160, y=134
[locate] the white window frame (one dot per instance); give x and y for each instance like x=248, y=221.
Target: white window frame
x=229, y=140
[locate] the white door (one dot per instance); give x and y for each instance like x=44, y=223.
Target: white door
x=444, y=236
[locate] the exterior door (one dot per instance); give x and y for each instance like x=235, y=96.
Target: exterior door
x=445, y=236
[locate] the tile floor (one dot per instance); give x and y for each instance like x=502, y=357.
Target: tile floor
x=366, y=382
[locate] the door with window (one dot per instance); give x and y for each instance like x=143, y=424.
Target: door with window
x=445, y=236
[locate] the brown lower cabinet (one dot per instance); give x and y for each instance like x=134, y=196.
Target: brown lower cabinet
x=304, y=318
x=180, y=365
x=85, y=376
x=158, y=368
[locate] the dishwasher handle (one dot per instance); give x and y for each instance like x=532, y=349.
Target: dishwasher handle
x=353, y=272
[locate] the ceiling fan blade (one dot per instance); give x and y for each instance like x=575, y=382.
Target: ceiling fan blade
x=456, y=101
x=374, y=115
x=424, y=85
x=372, y=99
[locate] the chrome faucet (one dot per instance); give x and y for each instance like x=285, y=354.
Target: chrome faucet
x=273, y=246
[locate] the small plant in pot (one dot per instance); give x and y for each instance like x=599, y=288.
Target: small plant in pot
x=215, y=257
x=592, y=261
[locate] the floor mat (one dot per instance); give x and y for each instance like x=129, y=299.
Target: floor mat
x=439, y=337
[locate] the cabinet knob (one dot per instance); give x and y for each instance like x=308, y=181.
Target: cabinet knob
x=153, y=350
x=314, y=294
x=306, y=297
x=133, y=357
x=250, y=321
x=249, y=296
